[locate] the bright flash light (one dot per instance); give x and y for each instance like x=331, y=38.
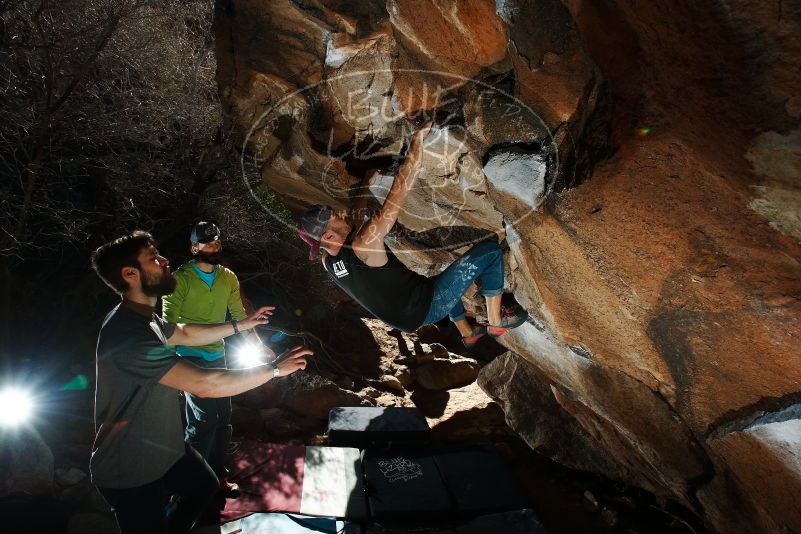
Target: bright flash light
x=249, y=355
x=16, y=406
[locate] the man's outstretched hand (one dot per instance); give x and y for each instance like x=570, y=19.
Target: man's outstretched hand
x=293, y=359
x=259, y=317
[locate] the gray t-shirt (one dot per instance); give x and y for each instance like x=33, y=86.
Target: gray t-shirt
x=138, y=421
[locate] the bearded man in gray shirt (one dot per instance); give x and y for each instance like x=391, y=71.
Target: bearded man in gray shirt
x=139, y=456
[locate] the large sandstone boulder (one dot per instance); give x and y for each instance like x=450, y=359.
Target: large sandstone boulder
x=312, y=396
x=352, y=87
x=470, y=415
x=643, y=159
x=446, y=373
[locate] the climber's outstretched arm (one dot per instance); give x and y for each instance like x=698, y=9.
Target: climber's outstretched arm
x=358, y=208
x=371, y=237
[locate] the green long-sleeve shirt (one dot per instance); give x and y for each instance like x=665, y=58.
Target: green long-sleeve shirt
x=195, y=302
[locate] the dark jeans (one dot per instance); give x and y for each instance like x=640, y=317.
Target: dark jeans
x=141, y=510
x=482, y=262
x=208, y=422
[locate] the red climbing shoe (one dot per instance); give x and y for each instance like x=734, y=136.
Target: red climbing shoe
x=510, y=318
x=476, y=334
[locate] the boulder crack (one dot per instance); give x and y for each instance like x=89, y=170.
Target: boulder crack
x=762, y=412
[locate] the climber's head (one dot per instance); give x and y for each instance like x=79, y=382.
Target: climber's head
x=322, y=227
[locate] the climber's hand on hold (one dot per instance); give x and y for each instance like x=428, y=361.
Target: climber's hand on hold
x=368, y=244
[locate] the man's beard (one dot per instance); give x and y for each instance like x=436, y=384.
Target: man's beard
x=212, y=258
x=164, y=285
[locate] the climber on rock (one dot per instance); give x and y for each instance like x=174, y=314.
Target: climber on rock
x=359, y=262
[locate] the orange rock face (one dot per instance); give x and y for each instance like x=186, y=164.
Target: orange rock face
x=455, y=38
x=465, y=32
x=644, y=160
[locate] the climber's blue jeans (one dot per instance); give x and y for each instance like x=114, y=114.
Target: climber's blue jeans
x=483, y=262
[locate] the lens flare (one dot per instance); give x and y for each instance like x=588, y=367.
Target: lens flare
x=16, y=406
x=77, y=383
x=249, y=355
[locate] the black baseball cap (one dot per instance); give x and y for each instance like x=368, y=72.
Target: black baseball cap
x=312, y=226
x=204, y=232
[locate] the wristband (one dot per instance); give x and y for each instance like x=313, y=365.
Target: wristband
x=276, y=370
x=236, y=328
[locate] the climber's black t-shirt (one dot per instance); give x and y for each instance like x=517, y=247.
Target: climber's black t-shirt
x=393, y=293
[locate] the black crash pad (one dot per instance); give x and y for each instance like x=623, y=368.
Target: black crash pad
x=446, y=485
x=365, y=427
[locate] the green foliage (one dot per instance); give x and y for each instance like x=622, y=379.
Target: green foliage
x=270, y=201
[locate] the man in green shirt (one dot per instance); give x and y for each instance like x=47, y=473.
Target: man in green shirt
x=205, y=293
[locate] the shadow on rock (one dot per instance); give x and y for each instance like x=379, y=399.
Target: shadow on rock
x=444, y=333
x=431, y=403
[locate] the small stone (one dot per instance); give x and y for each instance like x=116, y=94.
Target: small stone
x=428, y=330
x=373, y=393
x=387, y=400
x=443, y=373
x=439, y=350
x=393, y=383
x=404, y=376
